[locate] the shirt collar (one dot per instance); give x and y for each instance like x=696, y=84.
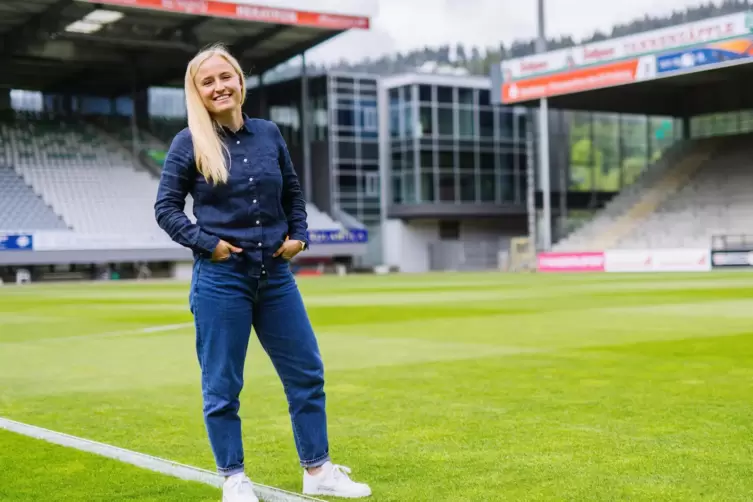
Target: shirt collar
x=244, y=128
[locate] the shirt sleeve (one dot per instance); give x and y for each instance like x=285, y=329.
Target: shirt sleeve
x=174, y=185
x=292, y=197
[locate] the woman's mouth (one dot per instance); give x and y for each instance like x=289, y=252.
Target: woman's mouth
x=220, y=99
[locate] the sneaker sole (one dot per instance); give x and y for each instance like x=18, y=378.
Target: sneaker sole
x=330, y=494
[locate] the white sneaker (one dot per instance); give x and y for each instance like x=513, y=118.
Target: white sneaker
x=333, y=480
x=238, y=488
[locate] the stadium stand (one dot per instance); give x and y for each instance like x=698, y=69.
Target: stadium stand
x=715, y=200
x=627, y=213
x=88, y=180
x=70, y=174
x=21, y=210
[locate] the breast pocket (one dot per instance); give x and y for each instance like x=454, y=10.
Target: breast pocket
x=270, y=170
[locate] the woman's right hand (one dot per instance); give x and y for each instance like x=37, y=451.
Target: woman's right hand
x=223, y=250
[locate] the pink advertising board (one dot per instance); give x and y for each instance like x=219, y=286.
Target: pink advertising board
x=571, y=262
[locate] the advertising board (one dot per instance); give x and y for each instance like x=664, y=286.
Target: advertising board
x=16, y=242
x=579, y=80
x=736, y=258
x=658, y=260
x=571, y=262
x=246, y=11
x=623, y=60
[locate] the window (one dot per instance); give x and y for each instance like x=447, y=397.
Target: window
x=397, y=161
x=486, y=118
x=466, y=123
x=345, y=118
x=397, y=188
x=347, y=183
x=427, y=186
x=427, y=160
x=446, y=122
x=372, y=184
x=487, y=163
x=465, y=96
x=467, y=161
x=395, y=122
x=346, y=150
x=370, y=119
x=444, y=95
x=427, y=127
x=467, y=186
x=488, y=187
x=483, y=97
x=447, y=187
x=370, y=151
x=424, y=93
x=409, y=120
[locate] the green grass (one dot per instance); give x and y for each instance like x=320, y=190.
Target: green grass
x=36, y=470
x=457, y=387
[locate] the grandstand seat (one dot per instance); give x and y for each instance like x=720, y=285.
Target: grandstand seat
x=715, y=201
x=89, y=179
x=21, y=210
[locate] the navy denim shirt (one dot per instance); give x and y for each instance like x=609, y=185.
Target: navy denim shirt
x=260, y=204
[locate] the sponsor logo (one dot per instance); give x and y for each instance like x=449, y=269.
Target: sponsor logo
x=598, y=54
x=686, y=35
x=266, y=14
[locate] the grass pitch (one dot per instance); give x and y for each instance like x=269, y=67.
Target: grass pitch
x=457, y=387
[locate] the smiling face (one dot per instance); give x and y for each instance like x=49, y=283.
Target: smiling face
x=219, y=86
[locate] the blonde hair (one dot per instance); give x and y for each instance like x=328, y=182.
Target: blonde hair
x=209, y=150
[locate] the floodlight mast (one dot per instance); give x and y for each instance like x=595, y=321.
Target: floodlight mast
x=545, y=222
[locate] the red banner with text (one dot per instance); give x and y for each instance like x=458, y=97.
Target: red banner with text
x=247, y=12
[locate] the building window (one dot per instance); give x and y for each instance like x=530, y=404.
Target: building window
x=445, y=95
x=370, y=119
x=372, y=184
x=446, y=122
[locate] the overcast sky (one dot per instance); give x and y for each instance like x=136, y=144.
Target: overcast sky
x=401, y=25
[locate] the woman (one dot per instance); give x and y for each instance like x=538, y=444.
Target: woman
x=251, y=219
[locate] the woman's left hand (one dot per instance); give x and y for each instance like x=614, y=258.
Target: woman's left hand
x=289, y=249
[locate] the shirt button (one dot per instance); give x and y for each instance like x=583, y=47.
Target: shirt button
x=250, y=179
x=245, y=160
x=237, y=142
x=254, y=201
x=257, y=222
x=260, y=244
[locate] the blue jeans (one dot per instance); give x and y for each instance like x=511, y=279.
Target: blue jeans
x=226, y=301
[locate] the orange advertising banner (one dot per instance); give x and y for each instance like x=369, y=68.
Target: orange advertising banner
x=247, y=12
x=578, y=80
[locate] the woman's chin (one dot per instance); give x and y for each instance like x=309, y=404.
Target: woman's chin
x=223, y=107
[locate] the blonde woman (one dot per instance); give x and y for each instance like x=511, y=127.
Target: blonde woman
x=251, y=219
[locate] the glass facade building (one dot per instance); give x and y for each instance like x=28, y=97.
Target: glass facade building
x=354, y=145
x=449, y=145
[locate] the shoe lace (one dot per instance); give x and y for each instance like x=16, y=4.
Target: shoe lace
x=340, y=472
x=242, y=485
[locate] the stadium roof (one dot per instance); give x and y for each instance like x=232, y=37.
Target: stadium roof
x=104, y=46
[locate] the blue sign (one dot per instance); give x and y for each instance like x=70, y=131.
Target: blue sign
x=699, y=57
x=22, y=242
x=353, y=236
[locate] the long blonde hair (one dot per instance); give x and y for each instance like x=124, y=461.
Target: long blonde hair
x=209, y=150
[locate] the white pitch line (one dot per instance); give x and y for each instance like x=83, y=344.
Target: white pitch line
x=155, y=464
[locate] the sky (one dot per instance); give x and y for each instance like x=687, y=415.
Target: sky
x=402, y=25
